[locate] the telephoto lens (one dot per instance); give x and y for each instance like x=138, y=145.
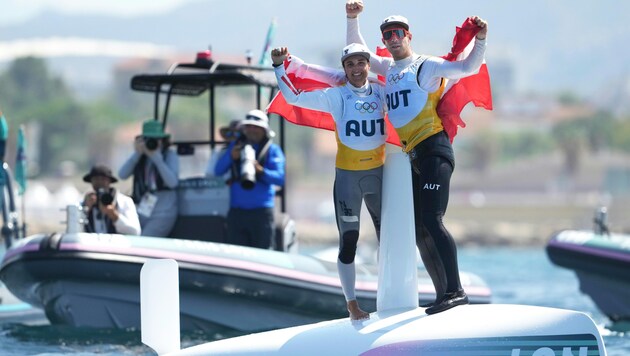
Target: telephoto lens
x=248, y=169
x=150, y=143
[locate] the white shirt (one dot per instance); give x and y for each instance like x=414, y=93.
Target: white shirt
x=127, y=223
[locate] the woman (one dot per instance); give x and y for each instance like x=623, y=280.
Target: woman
x=358, y=109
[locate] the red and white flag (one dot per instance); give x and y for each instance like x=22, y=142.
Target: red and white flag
x=475, y=88
x=305, y=77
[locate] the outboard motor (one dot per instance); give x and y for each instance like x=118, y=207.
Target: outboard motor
x=285, y=236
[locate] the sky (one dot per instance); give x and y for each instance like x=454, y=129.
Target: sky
x=555, y=45
x=16, y=11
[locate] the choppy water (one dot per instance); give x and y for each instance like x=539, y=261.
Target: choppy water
x=516, y=276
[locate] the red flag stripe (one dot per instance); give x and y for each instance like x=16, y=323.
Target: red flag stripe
x=288, y=83
x=475, y=89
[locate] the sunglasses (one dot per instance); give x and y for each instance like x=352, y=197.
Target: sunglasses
x=400, y=33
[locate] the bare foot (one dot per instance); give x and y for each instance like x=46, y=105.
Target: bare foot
x=356, y=313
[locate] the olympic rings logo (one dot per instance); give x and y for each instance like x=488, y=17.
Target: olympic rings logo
x=395, y=78
x=366, y=107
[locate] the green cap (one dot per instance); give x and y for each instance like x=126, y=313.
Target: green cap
x=153, y=128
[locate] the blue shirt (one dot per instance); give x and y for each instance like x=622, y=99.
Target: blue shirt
x=263, y=194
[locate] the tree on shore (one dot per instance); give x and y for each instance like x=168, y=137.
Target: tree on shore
x=29, y=93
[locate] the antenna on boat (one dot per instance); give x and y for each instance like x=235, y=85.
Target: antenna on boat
x=600, y=221
x=159, y=305
x=248, y=56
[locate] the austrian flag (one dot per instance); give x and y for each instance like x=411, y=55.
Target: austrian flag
x=475, y=88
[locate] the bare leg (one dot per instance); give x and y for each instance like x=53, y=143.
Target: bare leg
x=356, y=313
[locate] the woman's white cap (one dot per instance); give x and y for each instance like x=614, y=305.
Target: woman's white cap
x=354, y=49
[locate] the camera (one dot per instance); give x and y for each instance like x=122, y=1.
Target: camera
x=248, y=168
x=104, y=196
x=150, y=143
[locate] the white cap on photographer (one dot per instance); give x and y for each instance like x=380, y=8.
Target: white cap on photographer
x=258, y=118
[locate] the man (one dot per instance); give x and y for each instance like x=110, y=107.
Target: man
x=107, y=210
x=358, y=109
x=259, y=166
x=414, y=85
x=154, y=166
x=229, y=133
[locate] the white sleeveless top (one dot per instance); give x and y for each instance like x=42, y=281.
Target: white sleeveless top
x=360, y=130
x=411, y=109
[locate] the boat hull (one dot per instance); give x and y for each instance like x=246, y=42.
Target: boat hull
x=467, y=330
x=13, y=310
x=602, y=265
x=93, y=280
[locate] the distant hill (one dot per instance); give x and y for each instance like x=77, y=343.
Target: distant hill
x=553, y=46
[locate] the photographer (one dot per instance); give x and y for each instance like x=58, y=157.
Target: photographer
x=155, y=169
x=229, y=133
x=258, y=166
x=107, y=210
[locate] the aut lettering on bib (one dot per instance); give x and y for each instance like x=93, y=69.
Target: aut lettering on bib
x=361, y=132
x=365, y=127
x=396, y=98
x=411, y=109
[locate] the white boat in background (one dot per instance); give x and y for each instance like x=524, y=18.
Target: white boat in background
x=399, y=327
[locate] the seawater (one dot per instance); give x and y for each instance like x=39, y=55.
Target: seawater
x=515, y=275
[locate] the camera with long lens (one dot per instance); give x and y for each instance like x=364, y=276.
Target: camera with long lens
x=248, y=168
x=150, y=143
x=104, y=196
